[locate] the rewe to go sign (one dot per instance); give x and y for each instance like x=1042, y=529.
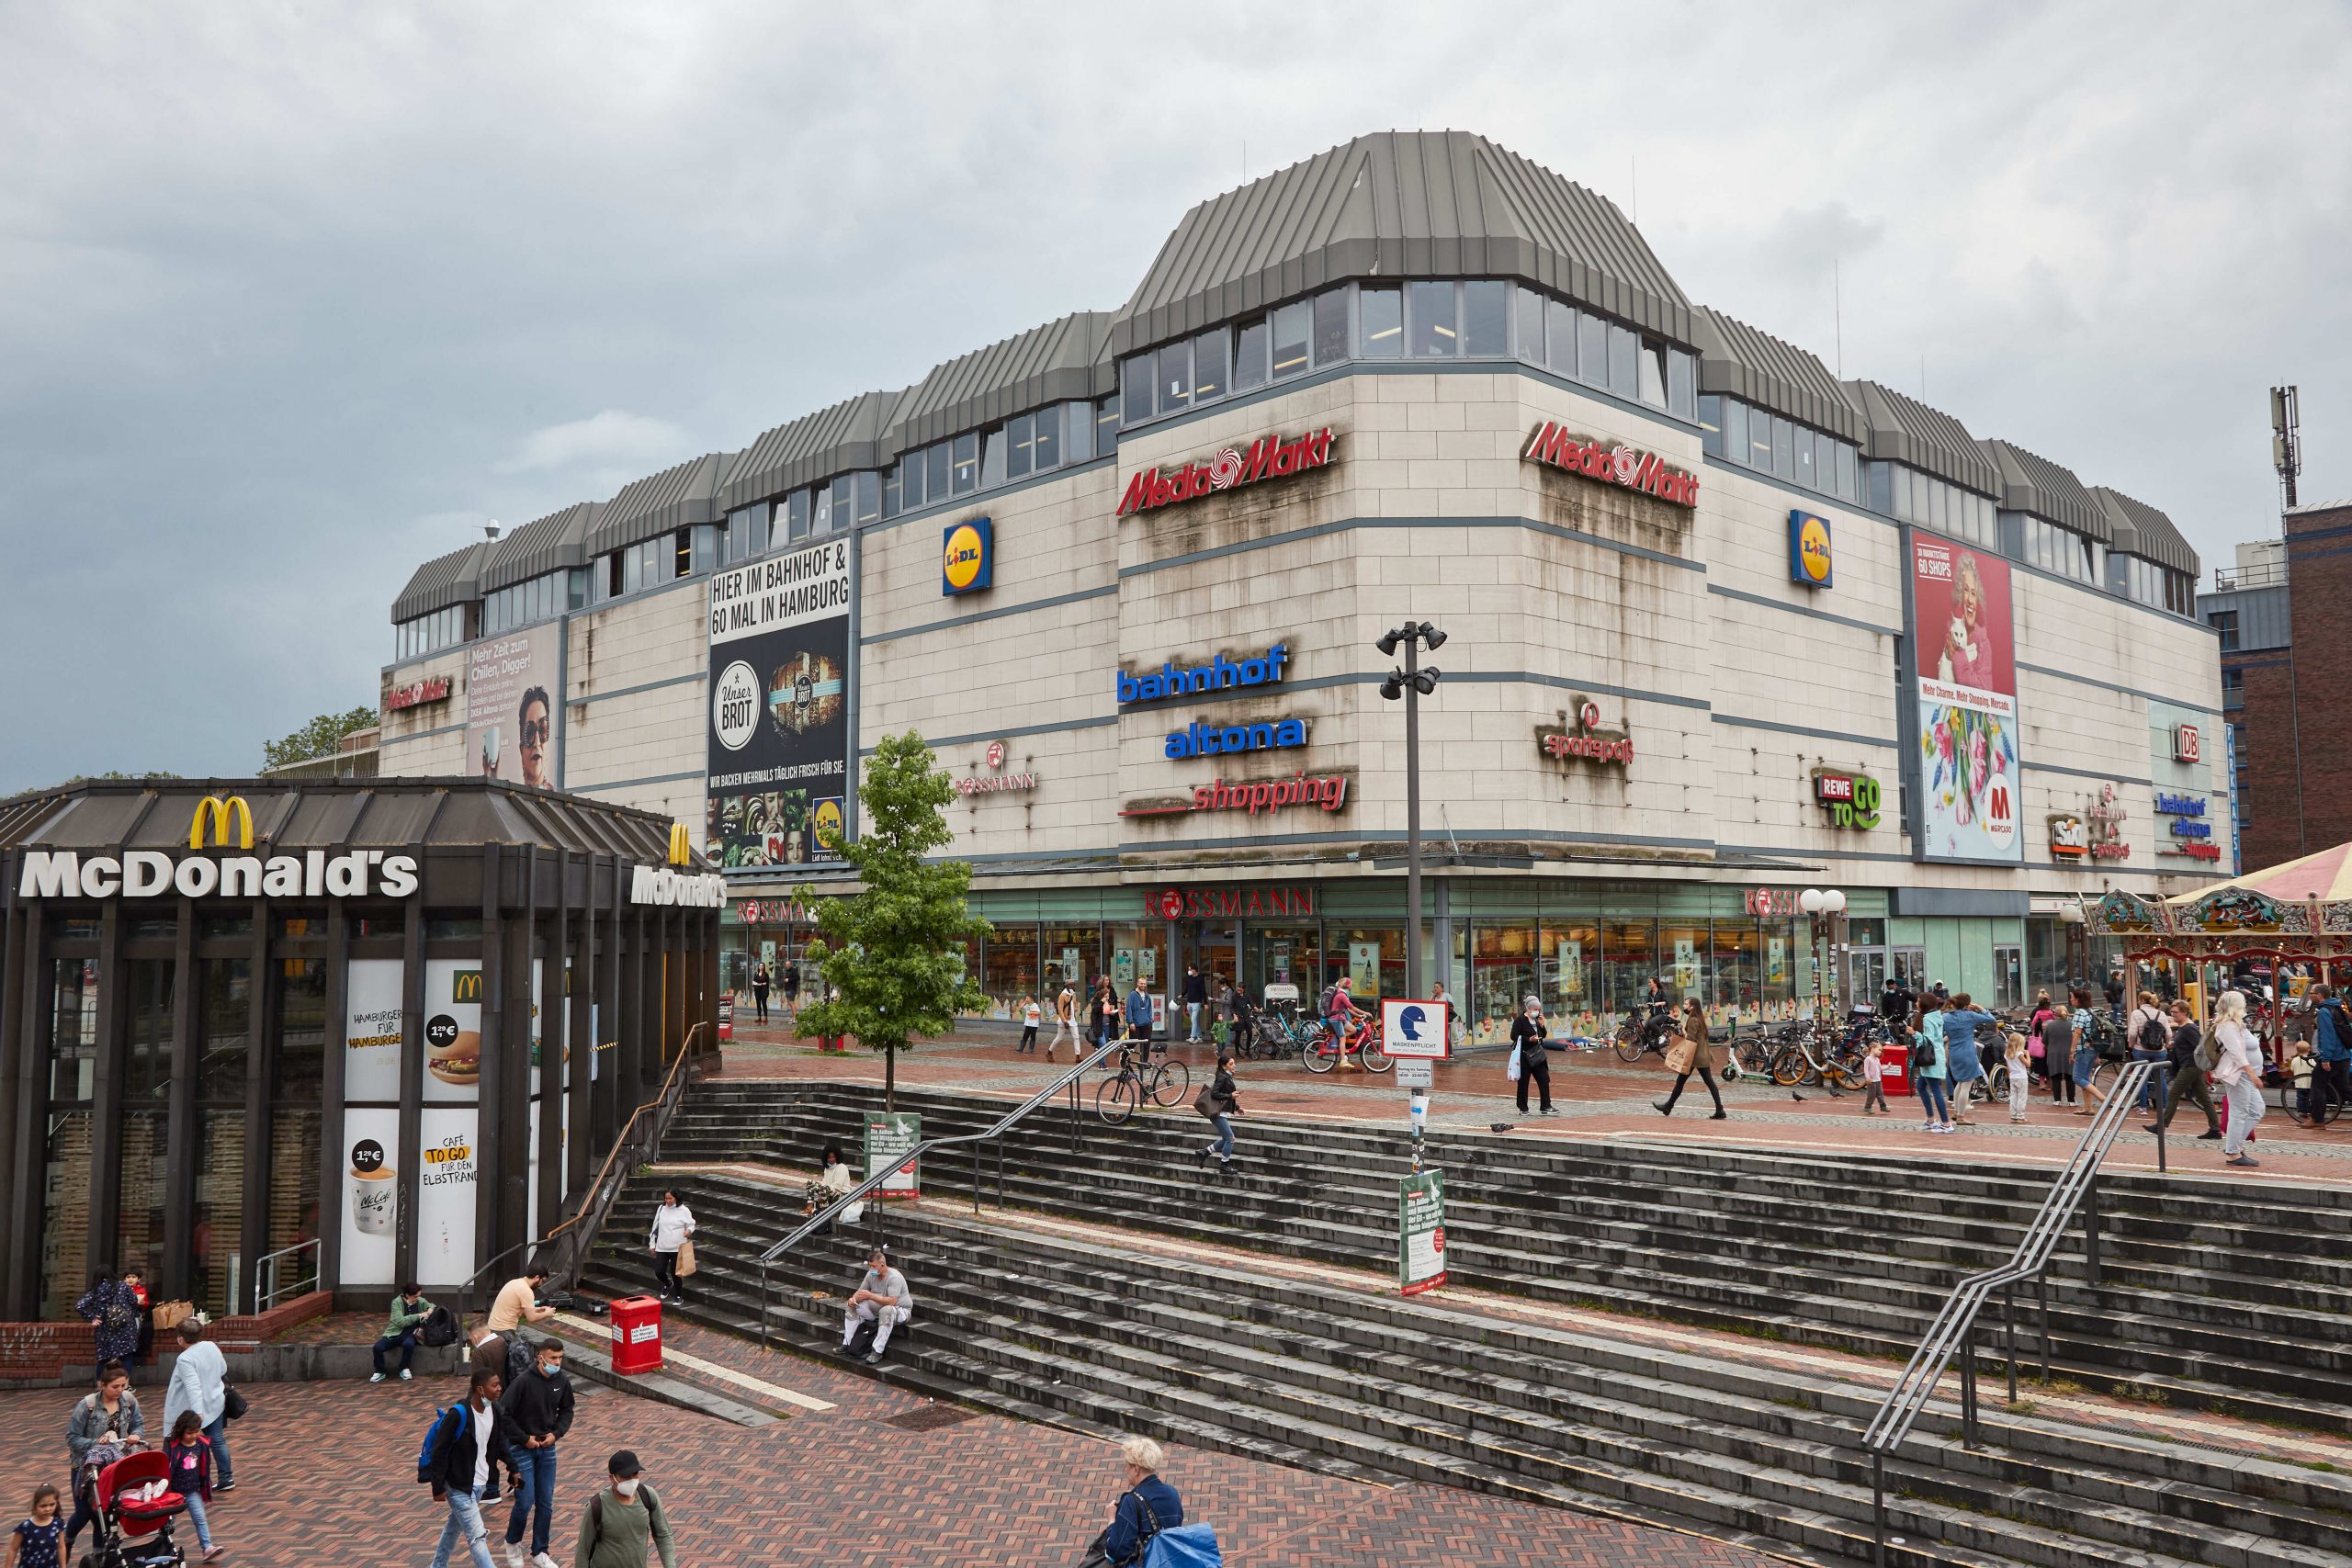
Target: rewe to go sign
x=1852, y=800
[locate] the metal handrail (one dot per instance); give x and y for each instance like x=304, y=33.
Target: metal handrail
x=1954, y=1328
x=269, y=1263
x=603, y=1188
x=1003, y=1126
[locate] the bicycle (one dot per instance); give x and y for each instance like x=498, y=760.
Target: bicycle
x=1645, y=1033
x=1320, y=1056
x=1162, y=1082
x=2323, y=1104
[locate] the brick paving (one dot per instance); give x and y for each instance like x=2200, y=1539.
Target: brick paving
x=324, y=1475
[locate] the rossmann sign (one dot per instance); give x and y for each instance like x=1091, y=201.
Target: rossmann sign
x=1270, y=457
x=1596, y=457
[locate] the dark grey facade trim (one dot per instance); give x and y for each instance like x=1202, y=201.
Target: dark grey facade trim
x=697, y=679
x=2127, y=690
x=1806, y=731
x=2084, y=773
x=979, y=615
x=445, y=580
x=2030, y=482
x=1806, y=610
x=1739, y=361
x=1902, y=430
x=1016, y=733
x=632, y=784
x=678, y=497
x=543, y=545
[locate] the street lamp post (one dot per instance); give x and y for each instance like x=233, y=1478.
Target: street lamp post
x=1412, y=681
x=1819, y=904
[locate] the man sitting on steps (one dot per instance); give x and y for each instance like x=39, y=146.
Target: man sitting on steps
x=882, y=1299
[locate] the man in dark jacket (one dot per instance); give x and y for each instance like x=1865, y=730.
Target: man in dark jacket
x=536, y=1413
x=468, y=1445
x=1148, y=1507
x=1196, y=997
x=2188, y=1077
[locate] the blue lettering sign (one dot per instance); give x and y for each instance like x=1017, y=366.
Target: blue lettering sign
x=2184, y=829
x=2180, y=805
x=1219, y=674
x=1198, y=739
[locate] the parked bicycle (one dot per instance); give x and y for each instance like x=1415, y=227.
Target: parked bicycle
x=1161, y=1081
x=1646, y=1031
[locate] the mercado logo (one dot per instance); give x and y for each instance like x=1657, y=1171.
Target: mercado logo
x=1269, y=457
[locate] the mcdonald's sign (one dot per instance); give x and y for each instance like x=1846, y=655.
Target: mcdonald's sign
x=682, y=845
x=465, y=986
x=221, y=814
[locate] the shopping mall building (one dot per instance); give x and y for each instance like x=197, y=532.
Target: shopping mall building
x=1721, y=627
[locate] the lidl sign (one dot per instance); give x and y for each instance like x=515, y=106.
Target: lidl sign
x=1809, y=558
x=967, y=557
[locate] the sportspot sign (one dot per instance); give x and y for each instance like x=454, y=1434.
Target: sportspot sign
x=1270, y=457
x=1596, y=457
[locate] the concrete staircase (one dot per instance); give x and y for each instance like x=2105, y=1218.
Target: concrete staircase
x=2200, y=1309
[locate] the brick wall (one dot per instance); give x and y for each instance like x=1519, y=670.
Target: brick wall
x=2268, y=751
x=42, y=1351
x=2319, y=596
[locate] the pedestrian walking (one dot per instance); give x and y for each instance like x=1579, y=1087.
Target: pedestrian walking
x=2056, y=1032
x=1030, y=1016
x=623, y=1520
x=461, y=1459
x=1928, y=1068
x=201, y=1382
x=2035, y=1047
x=2021, y=1067
x=1874, y=1074
x=2149, y=1037
x=1103, y=1018
x=1529, y=1065
x=2084, y=1025
x=1148, y=1507
x=109, y=1417
x=2189, y=1079
x=1692, y=1052
x=760, y=980
x=39, y=1540
x=1066, y=1022
x=791, y=978
x=1963, y=1064
x=670, y=1240
x=1140, y=1013
x=535, y=1412
x=2237, y=1070
x=2332, y=1055
x=1219, y=1102
x=1196, y=996
x=409, y=1311
x=190, y=1455
x=111, y=1309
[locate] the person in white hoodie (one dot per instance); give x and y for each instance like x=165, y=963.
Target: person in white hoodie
x=2237, y=1073
x=201, y=1382
x=672, y=1223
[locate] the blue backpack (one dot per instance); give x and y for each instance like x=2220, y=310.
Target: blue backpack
x=1183, y=1546
x=429, y=1455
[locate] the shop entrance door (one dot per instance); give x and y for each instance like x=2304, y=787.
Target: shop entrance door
x=1910, y=966
x=1865, y=976
x=1216, y=952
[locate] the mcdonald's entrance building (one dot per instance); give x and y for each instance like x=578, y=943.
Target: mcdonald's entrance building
x=259, y=1037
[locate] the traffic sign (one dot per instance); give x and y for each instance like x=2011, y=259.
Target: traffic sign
x=1415, y=1028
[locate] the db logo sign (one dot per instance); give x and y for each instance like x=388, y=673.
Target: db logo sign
x=2187, y=745
x=2000, y=814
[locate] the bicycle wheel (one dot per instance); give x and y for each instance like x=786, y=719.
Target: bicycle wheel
x=2103, y=1078
x=1629, y=1042
x=1169, y=1084
x=2287, y=1104
x=1789, y=1066
x=1114, y=1102
x=1374, y=1057
x=1319, y=1055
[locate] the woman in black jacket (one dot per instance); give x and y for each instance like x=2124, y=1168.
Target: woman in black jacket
x=1528, y=1033
x=1224, y=1100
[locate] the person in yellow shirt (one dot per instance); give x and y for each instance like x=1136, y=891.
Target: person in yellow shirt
x=517, y=1302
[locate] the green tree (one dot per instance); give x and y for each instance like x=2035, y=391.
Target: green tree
x=320, y=737
x=895, y=951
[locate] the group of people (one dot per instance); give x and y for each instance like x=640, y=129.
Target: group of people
x=763, y=980
x=1102, y=1015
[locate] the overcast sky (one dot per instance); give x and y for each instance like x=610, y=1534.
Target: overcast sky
x=294, y=298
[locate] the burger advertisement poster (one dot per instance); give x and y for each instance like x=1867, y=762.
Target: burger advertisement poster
x=1964, y=763
x=779, y=735
x=371, y=1030
x=512, y=714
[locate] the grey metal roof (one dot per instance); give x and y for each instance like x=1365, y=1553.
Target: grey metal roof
x=445, y=580
x=674, y=498
x=2139, y=529
x=1757, y=367
x=1062, y=359
x=1903, y=429
x=848, y=435
x=1399, y=203
x=543, y=545
x=2050, y=490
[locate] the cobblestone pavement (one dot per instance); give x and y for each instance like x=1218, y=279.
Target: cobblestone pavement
x=1596, y=1095
x=325, y=1475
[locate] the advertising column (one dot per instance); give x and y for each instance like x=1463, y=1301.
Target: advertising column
x=510, y=719
x=780, y=740
x=448, y=1134
x=1963, y=674
x=371, y=1118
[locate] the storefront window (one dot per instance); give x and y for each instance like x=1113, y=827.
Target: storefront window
x=74, y=1030
x=1136, y=954
x=146, y=1181
x=1779, y=990
x=294, y=1187
x=65, y=1214
x=1683, y=954
x=1281, y=955
x=147, y=1069
x=226, y=1022
x=215, y=1258
x=1009, y=972
x=1073, y=957
x=1739, y=993
x=1569, y=955
x=302, y=1029
x=1502, y=975
x=1372, y=959
x=1628, y=960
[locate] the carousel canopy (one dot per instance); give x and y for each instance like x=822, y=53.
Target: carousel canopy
x=2304, y=905
x=2325, y=877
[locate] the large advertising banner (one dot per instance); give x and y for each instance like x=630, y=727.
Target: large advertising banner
x=371, y=1030
x=514, y=706
x=1421, y=1232
x=447, y=1158
x=452, y=1030
x=780, y=739
x=371, y=1185
x=1964, y=769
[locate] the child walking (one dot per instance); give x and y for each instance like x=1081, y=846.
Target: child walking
x=36, y=1543
x=191, y=1453
x=1032, y=1015
x=1873, y=1085
x=2020, y=1059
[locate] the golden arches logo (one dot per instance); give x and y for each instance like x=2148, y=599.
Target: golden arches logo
x=682, y=845
x=221, y=814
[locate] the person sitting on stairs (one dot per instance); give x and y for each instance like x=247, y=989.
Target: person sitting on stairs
x=881, y=1299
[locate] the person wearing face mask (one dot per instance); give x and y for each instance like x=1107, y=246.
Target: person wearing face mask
x=623, y=1520
x=1529, y=1034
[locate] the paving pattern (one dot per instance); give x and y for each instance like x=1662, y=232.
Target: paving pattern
x=323, y=1476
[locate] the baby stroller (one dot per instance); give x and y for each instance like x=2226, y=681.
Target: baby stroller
x=135, y=1508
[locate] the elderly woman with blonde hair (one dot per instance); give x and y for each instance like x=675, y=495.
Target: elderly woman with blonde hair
x=1148, y=1507
x=2237, y=1073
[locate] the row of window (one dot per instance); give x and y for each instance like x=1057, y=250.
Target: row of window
x=1434, y=319
x=431, y=634
x=1910, y=496
x=540, y=598
x=651, y=562
x=2161, y=588
x=1762, y=440
x=2070, y=555
x=2226, y=623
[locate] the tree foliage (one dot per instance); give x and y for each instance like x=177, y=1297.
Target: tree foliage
x=323, y=736
x=895, y=951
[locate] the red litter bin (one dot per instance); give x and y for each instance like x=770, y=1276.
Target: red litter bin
x=1894, y=1068
x=637, y=1334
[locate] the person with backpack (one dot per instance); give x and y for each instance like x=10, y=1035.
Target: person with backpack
x=623, y=1520
x=536, y=1412
x=2237, y=1072
x=2145, y=1030
x=2184, y=1049
x=462, y=1451
x=410, y=1313
x=111, y=1309
x=1220, y=1102
x=1148, y=1507
x=881, y=1299
x=2332, y=1054
x=1927, y=1069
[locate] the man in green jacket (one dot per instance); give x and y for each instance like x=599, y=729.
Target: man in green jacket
x=409, y=1309
x=622, y=1521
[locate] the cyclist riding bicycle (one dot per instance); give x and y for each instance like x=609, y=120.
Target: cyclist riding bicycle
x=1345, y=1018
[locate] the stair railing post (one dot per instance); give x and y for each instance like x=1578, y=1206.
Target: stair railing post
x=2163, y=1075
x=2041, y=1290
x=2010, y=1336
x=1878, y=1508
x=1968, y=1383
x=2090, y=1228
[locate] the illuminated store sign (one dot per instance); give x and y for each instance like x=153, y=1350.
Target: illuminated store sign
x=1198, y=739
x=1589, y=741
x=1596, y=457
x=1219, y=674
x=1809, y=558
x=2187, y=745
x=967, y=557
x=1268, y=795
x=1271, y=457
x=1852, y=800
x=152, y=873
x=1248, y=902
x=2069, y=839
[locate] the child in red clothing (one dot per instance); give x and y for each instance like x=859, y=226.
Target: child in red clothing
x=190, y=1452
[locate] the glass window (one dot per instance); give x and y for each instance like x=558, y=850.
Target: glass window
x=1846, y=471
x=1330, y=327
x=821, y=521
x=226, y=1004
x=1681, y=383
x=798, y=510
x=1009, y=968
x=1650, y=379
x=1019, y=433
x=1134, y=386
x=1291, y=325
x=1711, y=424
x=1528, y=308
x=760, y=528
x=1628, y=960
x=153, y=1044
x=1804, y=468
x=1784, y=448
x=1173, y=387
x=894, y=490
x=739, y=535
x=706, y=548
x=1735, y=431
x=866, y=496
x=1759, y=441
x=1106, y=428
x=1251, y=365
x=992, y=459
x=1486, y=320
x=632, y=570
x=1433, y=320
x=1565, y=332
x=1502, y=971
x=1078, y=432
x=1625, y=361
x=1073, y=957
x=964, y=463
x=1592, y=350
x=843, y=502
x=1047, y=431
x=1211, y=375
x=1383, y=313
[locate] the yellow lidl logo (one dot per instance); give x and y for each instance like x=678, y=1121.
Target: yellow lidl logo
x=967, y=557
x=827, y=819
x=223, y=815
x=1809, y=552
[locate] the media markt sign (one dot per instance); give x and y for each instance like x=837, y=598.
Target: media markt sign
x=891, y=1139
x=1420, y=1226
x=1270, y=457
